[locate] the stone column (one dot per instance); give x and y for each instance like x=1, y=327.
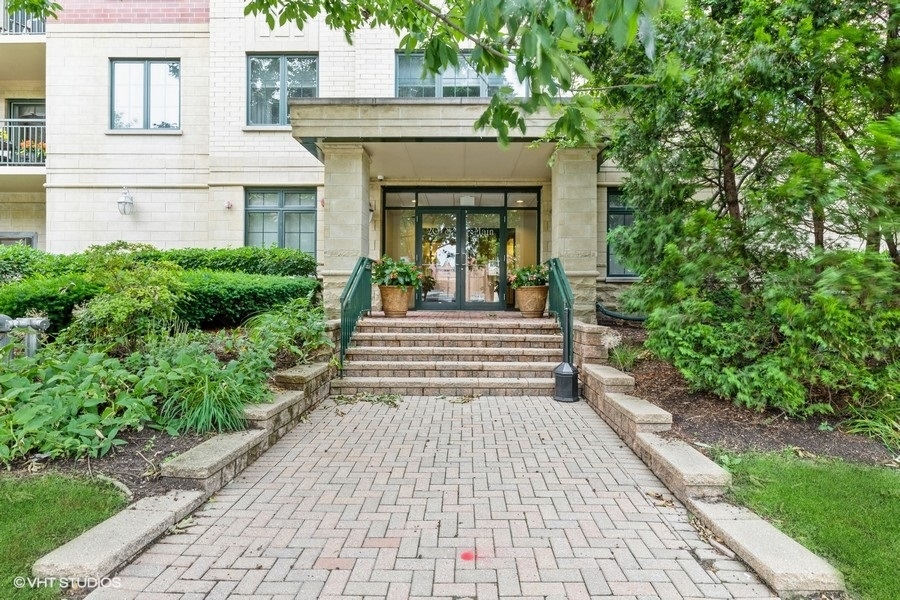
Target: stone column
x=574, y=224
x=346, y=218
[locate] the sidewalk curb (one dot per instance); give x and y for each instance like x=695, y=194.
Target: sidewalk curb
x=785, y=565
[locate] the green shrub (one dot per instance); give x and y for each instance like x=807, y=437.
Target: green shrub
x=55, y=297
x=248, y=259
x=17, y=262
x=290, y=333
x=21, y=262
x=67, y=404
x=196, y=390
x=625, y=356
x=823, y=337
x=219, y=299
x=137, y=299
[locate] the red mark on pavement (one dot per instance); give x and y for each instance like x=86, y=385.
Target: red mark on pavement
x=468, y=555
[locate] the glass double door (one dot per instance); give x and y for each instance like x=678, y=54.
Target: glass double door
x=463, y=254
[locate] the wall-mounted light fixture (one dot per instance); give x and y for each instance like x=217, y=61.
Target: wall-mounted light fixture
x=126, y=202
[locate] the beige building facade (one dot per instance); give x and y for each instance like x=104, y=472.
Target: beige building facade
x=225, y=133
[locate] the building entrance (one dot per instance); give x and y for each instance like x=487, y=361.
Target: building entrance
x=465, y=242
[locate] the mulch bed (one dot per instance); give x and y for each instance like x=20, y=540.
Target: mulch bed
x=136, y=464
x=706, y=420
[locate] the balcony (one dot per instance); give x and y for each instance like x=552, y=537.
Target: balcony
x=23, y=142
x=20, y=23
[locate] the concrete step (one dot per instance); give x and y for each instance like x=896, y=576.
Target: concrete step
x=445, y=386
x=452, y=353
x=477, y=340
x=422, y=325
x=380, y=368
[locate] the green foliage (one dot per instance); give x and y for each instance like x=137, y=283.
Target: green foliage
x=67, y=404
x=138, y=298
x=530, y=275
x=16, y=262
x=625, y=356
x=761, y=151
x=400, y=273
x=848, y=513
x=823, y=335
x=248, y=259
x=541, y=39
x=198, y=392
x=881, y=422
x=21, y=262
x=41, y=514
x=292, y=331
x=55, y=297
x=219, y=299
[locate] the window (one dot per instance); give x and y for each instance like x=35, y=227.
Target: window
x=146, y=94
x=618, y=214
x=456, y=82
x=272, y=80
x=283, y=218
x=11, y=238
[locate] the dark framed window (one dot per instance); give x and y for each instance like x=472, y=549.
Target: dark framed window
x=145, y=94
x=456, y=82
x=283, y=218
x=618, y=214
x=11, y=238
x=273, y=79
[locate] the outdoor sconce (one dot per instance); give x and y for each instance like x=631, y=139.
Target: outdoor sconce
x=126, y=202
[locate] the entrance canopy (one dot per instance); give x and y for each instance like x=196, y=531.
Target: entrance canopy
x=422, y=138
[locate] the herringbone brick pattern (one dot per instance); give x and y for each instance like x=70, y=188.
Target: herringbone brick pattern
x=515, y=498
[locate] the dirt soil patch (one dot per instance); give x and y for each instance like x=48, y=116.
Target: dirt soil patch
x=708, y=421
x=136, y=464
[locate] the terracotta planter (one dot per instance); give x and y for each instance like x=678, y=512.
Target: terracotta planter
x=532, y=299
x=394, y=300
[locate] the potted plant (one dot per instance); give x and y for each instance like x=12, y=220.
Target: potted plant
x=531, y=288
x=394, y=279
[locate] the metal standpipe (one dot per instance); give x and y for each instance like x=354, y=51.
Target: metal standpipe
x=33, y=325
x=565, y=374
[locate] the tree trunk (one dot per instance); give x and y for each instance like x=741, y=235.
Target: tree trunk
x=818, y=212
x=733, y=202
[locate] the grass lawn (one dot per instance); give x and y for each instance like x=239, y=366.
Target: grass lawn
x=846, y=513
x=38, y=514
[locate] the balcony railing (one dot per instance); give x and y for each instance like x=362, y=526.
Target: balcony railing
x=23, y=142
x=19, y=22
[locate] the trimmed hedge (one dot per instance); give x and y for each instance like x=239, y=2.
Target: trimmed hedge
x=213, y=298
x=220, y=299
x=55, y=297
x=258, y=261
x=20, y=262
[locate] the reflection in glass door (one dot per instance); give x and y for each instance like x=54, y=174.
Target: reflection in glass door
x=484, y=252
x=462, y=264
x=439, y=258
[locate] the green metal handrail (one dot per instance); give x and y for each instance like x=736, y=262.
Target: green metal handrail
x=562, y=304
x=356, y=300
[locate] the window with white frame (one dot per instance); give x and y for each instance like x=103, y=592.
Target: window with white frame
x=283, y=218
x=273, y=79
x=455, y=82
x=145, y=94
x=618, y=214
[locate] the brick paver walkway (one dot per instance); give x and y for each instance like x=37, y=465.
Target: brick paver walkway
x=493, y=498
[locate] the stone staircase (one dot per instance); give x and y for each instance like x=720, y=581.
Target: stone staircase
x=452, y=354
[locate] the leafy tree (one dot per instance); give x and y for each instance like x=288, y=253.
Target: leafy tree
x=758, y=152
x=541, y=38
